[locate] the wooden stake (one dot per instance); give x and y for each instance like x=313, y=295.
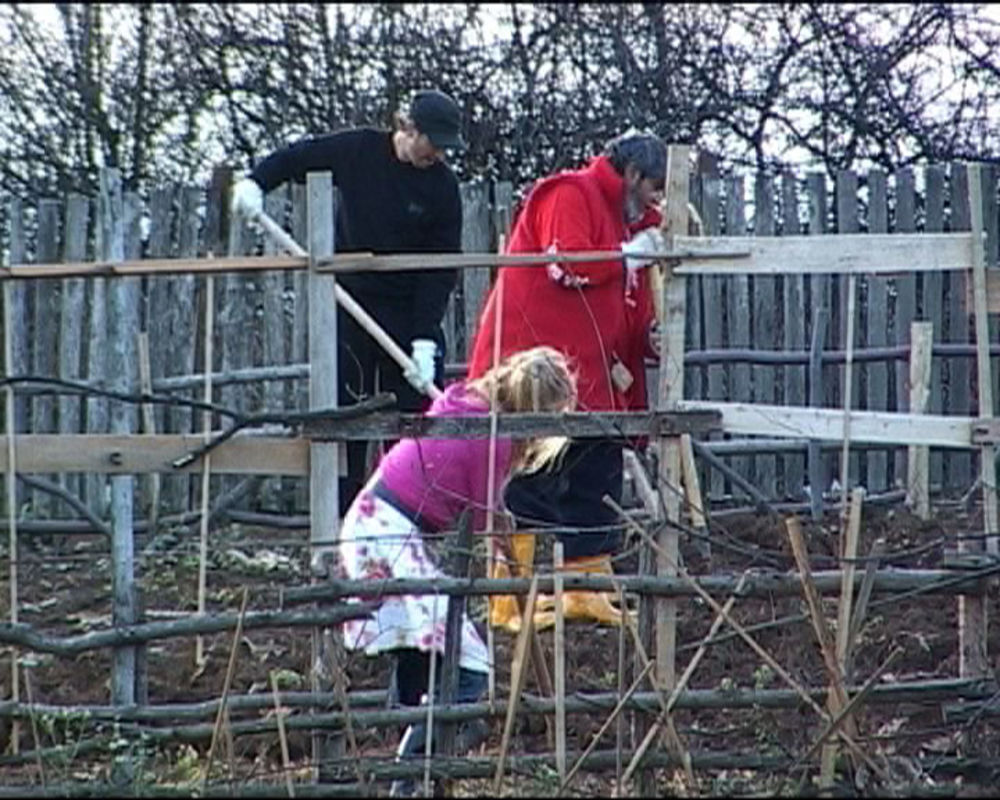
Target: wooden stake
x=15, y=680
x=148, y=424
x=559, y=645
x=518, y=670
x=223, y=701
x=848, y=555
x=918, y=494
x=279, y=716
x=199, y=643
x=852, y=282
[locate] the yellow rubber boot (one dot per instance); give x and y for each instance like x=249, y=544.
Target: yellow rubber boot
x=597, y=606
x=504, y=610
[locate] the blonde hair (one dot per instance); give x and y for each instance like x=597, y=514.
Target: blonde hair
x=538, y=379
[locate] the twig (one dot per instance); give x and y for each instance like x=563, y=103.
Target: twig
x=69, y=498
x=518, y=669
x=279, y=716
x=34, y=723
x=760, y=651
x=225, y=688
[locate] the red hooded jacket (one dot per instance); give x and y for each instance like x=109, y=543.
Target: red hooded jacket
x=579, y=309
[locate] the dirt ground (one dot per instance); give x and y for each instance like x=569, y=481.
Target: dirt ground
x=65, y=586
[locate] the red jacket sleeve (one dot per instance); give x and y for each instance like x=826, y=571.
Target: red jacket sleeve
x=564, y=224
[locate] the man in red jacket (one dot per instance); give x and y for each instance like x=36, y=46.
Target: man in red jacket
x=599, y=314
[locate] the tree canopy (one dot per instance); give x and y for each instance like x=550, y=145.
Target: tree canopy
x=167, y=91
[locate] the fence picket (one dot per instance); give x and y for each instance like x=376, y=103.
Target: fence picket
x=794, y=382
x=765, y=325
x=738, y=308
x=957, y=321
x=905, y=309
x=714, y=297
x=876, y=331
x=847, y=222
x=932, y=304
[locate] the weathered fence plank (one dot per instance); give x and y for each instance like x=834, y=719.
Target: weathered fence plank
x=738, y=308
x=876, y=330
x=473, y=283
x=765, y=325
x=274, y=351
x=932, y=302
x=794, y=379
x=848, y=222
x=158, y=301
x=74, y=295
x=959, y=371
x=714, y=291
x=45, y=336
x=905, y=309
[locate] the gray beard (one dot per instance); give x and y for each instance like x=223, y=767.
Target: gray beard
x=633, y=213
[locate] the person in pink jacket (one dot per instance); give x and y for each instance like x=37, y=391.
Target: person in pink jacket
x=418, y=491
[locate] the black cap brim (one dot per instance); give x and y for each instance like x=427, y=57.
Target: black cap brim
x=446, y=140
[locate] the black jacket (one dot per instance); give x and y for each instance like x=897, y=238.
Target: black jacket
x=385, y=206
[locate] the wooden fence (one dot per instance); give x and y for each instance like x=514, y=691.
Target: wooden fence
x=747, y=338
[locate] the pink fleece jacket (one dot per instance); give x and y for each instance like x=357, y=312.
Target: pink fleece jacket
x=440, y=478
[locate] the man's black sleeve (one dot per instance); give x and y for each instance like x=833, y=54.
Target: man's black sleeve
x=435, y=285
x=292, y=163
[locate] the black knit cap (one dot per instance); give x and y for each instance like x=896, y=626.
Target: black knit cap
x=643, y=150
x=438, y=115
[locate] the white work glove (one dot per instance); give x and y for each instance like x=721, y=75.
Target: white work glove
x=421, y=376
x=248, y=199
x=641, y=251
x=650, y=242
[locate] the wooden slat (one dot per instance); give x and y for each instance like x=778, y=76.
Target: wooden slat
x=794, y=332
x=905, y=311
x=738, y=308
x=960, y=467
x=139, y=454
x=821, y=423
x=876, y=331
x=843, y=314
x=933, y=301
x=765, y=326
x=841, y=254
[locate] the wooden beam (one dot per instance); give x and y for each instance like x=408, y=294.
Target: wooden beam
x=839, y=254
x=155, y=266
x=876, y=427
x=139, y=454
x=918, y=464
x=580, y=425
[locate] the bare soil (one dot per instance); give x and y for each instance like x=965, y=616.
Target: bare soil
x=65, y=588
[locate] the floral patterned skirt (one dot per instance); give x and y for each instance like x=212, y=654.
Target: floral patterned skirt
x=377, y=541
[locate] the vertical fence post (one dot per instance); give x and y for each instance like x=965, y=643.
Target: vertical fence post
x=324, y=472
x=905, y=308
x=816, y=464
x=738, y=313
x=933, y=304
x=973, y=623
x=122, y=323
x=794, y=383
x=670, y=393
x=274, y=341
x=876, y=332
x=765, y=327
x=918, y=495
x=45, y=338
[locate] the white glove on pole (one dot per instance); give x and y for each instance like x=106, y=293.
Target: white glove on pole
x=648, y=242
x=422, y=354
x=248, y=199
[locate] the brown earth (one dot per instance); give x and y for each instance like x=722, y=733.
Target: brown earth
x=65, y=589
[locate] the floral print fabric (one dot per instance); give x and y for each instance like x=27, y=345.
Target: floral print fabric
x=377, y=543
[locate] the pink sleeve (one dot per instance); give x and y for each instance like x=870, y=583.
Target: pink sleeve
x=478, y=472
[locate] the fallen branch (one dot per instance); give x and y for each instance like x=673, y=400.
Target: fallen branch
x=26, y=636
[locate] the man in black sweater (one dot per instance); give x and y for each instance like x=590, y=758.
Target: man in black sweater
x=397, y=195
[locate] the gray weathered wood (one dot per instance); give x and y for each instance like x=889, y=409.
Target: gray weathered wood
x=817, y=466
x=794, y=383
x=236, y=326
x=960, y=467
x=274, y=335
x=45, y=335
x=158, y=306
x=932, y=302
x=21, y=293
x=182, y=313
x=738, y=312
x=122, y=321
x=713, y=288
x=475, y=281
x=74, y=293
x=98, y=408
x=324, y=483
x=991, y=224
x=694, y=335
x=876, y=330
x=299, y=392
x=765, y=326
x=847, y=222
x=905, y=308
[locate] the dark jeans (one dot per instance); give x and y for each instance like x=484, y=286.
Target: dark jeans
x=359, y=358
x=412, y=672
x=571, y=497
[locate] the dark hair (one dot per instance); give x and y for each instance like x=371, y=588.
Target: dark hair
x=645, y=151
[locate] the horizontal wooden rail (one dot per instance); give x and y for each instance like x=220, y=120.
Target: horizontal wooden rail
x=763, y=584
